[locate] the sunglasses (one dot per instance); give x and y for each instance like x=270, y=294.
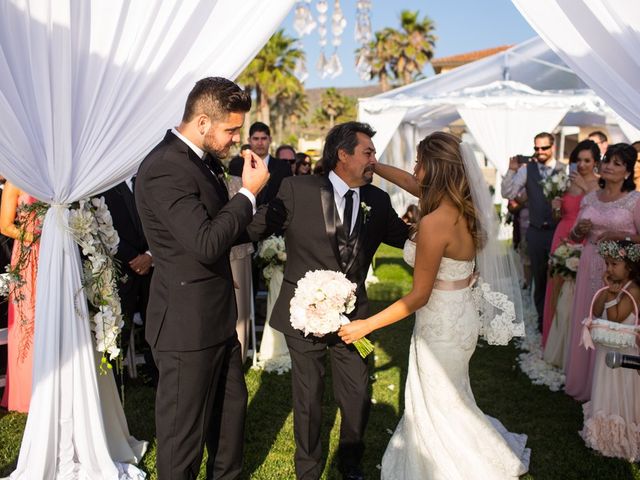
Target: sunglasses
x=545, y=148
x=305, y=164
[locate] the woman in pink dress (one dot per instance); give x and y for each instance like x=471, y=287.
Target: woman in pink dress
x=583, y=181
x=612, y=213
x=22, y=301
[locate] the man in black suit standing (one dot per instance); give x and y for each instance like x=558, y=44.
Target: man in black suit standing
x=333, y=222
x=136, y=260
x=191, y=224
x=259, y=142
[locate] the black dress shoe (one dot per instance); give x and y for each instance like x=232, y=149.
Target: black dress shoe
x=353, y=473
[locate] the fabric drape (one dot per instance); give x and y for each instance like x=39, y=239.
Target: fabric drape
x=86, y=89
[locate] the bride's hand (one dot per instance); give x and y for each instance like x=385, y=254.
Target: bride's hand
x=354, y=331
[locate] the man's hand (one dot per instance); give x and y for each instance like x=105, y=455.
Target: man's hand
x=254, y=173
x=141, y=264
x=513, y=164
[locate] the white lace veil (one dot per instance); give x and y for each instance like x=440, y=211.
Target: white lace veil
x=497, y=291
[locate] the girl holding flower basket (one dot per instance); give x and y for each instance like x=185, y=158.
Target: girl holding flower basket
x=612, y=417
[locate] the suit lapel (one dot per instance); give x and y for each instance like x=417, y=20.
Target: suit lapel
x=329, y=212
x=220, y=189
x=359, y=229
x=129, y=203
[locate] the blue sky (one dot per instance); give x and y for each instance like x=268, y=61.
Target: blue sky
x=461, y=26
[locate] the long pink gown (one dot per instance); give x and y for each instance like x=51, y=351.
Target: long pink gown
x=17, y=392
x=622, y=215
x=570, y=209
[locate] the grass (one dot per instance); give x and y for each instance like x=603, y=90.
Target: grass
x=551, y=420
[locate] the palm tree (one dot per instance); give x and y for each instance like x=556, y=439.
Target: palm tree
x=289, y=105
x=381, y=55
x=414, y=43
x=334, y=108
x=271, y=71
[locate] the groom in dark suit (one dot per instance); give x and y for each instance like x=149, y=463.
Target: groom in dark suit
x=191, y=224
x=333, y=222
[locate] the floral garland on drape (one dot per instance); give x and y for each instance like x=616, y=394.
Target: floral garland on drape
x=91, y=226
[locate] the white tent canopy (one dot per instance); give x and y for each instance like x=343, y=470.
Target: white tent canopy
x=504, y=100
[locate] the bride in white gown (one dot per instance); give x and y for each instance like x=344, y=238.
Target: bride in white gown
x=443, y=434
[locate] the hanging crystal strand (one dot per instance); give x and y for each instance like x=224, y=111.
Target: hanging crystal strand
x=338, y=24
x=363, y=36
x=300, y=70
x=303, y=21
x=322, y=9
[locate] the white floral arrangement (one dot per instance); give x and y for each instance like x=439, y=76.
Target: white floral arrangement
x=91, y=226
x=565, y=259
x=555, y=184
x=320, y=304
x=271, y=255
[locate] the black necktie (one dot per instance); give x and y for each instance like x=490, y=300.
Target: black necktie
x=348, y=211
x=215, y=166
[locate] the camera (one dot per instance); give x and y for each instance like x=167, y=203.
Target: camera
x=524, y=159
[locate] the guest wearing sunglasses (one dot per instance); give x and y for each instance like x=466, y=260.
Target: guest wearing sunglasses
x=303, y=164
x=541, y=220
x=288, y=154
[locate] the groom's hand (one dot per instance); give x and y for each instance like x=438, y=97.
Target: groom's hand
x=254, y=173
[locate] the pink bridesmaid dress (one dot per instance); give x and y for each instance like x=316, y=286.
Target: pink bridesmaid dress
x=17, y=392
x=570, y=209
x=622, y=215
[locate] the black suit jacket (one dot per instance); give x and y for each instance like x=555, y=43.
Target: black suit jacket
x=190, y=225
x=126, y=221
x=278, y=170
x=305, y=210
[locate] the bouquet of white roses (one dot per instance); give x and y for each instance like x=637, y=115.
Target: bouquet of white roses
x=565, y=259
x=271, y=254
x=320, y=303
x=555, y=184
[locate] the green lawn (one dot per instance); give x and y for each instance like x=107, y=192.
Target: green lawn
x=551, y=420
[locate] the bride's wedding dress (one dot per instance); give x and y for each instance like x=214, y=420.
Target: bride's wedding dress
x=443, y=434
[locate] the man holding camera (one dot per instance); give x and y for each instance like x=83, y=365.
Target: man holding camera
x=541, y=222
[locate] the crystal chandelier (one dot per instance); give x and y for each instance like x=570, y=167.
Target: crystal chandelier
x=304, y=23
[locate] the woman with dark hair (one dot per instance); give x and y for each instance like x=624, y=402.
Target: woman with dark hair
x=583, y=160
x=303, y=164
x=610, y=213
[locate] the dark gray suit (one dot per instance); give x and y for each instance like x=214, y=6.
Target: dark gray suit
x=191, y=225
x=316, y=240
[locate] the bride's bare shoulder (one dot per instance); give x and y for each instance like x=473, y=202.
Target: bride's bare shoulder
x=444, y=217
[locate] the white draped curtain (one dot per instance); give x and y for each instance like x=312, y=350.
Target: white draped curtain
x=505, y=131
x=599, y=40
x=86, y=89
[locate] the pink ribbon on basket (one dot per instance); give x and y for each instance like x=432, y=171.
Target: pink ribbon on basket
x=586, y=339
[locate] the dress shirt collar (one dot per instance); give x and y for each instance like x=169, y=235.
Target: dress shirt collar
x=339, y=185
x=551, y=164
x=197, y=151
x=266, y=160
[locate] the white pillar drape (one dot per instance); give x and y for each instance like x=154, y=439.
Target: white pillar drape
x=599, y=40
x=86, y=89
x=503, y=131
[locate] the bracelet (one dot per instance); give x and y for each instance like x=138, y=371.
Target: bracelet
x=611, y=303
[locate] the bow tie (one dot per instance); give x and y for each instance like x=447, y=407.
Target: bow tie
x=213, y=164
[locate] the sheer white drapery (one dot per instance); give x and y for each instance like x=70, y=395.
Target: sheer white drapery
x=503, y=131
x=86, y=89
x=597, y=39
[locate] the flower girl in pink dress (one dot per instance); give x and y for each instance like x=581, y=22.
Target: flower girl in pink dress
x=612, y=417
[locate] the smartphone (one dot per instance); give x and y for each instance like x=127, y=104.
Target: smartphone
x=573, y=167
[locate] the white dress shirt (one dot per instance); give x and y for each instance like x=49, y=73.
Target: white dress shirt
x=201, y=153
x=514, y=182
x=340, y=188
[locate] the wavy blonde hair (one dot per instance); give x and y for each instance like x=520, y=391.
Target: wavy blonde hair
x=440, y=158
